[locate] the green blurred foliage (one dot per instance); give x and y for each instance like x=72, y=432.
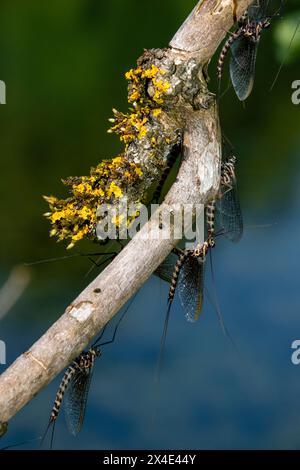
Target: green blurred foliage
x=287, y=38
x=64, y=63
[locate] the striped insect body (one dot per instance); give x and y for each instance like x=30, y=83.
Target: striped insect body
x=70, y=372
x=210, y=213
x=180, y=262
x=228, y=172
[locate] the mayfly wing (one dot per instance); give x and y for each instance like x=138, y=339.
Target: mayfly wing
x=229, y=217
x=166, y=269
x=76, y=399
x=190, y=286
x=242, y=66
x=258, y=10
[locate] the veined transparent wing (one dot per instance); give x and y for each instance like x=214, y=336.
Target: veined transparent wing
x=76, y=399
x=190, y=287
x=242, y=66
x=166, y=268
x=229, y=218
x=258, y=10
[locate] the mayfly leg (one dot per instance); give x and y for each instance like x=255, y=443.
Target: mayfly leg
x=98, y=263
x=96, y=343
x=65, y=257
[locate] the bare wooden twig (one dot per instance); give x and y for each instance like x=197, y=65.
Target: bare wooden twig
x=197, y=182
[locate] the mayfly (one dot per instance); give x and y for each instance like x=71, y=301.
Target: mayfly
x=75, y=384
x=188, y=277
x=185, y=268
x=243, y=44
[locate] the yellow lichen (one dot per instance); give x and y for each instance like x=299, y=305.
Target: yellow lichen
x=117, y=220
x=135, y=96
x=114, y=190
x=156, y=112
x=152, y=72
x=133, y=74
x=138, y=171
x=161, y=87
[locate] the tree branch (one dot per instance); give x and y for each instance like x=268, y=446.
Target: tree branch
x=197, y=182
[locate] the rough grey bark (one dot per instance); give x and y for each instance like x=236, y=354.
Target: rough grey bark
x=197, y=182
